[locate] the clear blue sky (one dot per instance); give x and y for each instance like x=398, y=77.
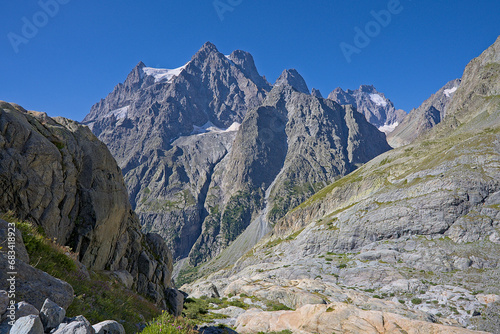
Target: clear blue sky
x=88, y=46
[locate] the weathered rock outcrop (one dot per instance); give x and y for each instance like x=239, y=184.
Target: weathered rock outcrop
x=337, y=318
x=419, y=121
x=58, y=175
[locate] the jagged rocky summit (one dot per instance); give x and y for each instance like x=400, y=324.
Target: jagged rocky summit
x=211, y=151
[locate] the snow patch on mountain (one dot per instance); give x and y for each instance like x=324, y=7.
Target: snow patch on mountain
x=378, y=100
x=388, y=128
x=209, y=127
x=120, y=112
x=450, y=91
x=163, y=74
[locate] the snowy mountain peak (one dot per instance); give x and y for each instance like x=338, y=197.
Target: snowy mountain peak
x=378, y=110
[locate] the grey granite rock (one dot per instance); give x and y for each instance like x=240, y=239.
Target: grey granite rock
x=29, y=324
x=51, y=315
x=175, y=301
x=24, y=309
x=77, y=325
x=109, y=327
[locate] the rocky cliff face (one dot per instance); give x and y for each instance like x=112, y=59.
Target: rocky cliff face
x=55, y=173
x=377, y=109
x=414, y=230
x=419, y=121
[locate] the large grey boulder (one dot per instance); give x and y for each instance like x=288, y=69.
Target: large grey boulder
x=175, y=301
x=30, y=324
x=76, y=325
x=24, y=309
x=51, y=315
x=109, y=327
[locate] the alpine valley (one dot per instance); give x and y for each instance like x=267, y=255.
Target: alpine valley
x=271, y=208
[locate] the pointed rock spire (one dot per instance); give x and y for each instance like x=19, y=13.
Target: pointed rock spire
x=293, y=78
x=315, y=92
x=245, y=62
